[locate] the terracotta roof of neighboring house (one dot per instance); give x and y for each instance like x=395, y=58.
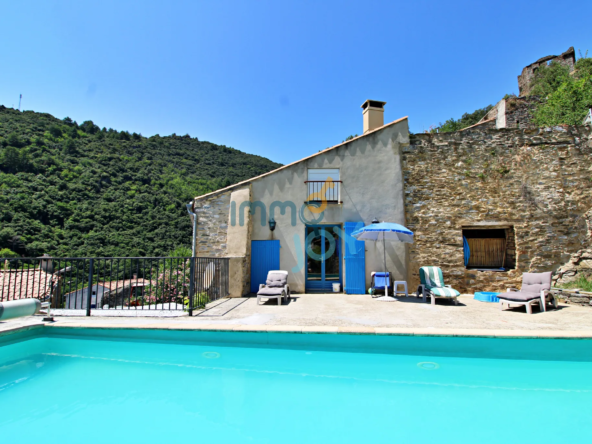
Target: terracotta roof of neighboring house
x=24, y=283
x=244, y=182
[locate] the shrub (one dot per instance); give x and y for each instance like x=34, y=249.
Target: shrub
x=7, y=252
x=568, y=105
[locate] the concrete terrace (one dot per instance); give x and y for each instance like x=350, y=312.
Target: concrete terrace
x=331, y=313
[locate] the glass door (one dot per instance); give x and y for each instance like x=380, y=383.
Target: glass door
x=323, y=257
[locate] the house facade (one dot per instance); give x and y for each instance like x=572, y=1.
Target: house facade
x=299, y=218
x=486, y=204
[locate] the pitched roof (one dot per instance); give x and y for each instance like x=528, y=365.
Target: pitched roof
x=24, y=283
x=244, y=182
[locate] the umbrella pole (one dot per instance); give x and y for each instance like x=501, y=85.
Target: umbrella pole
x=384, y=254
x=386, y=297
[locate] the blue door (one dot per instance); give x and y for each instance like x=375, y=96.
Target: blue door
x=265, y=256
x=355, y=260
x=323, y=257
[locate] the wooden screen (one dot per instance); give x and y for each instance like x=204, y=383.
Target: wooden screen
x=487, y=253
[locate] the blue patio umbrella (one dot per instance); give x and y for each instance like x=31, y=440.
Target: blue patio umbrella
x=384, y=231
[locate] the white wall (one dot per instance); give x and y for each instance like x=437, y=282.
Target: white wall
x=372, y=186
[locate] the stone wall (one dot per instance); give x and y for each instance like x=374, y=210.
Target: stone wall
x=573, y=297
x=580, y=263
x=212, y=226
x=536, y=181
x=520, y=111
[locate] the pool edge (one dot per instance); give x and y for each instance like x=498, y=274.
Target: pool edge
x=380, y=331
x=523, y=334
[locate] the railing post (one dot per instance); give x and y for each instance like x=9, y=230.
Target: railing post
x=89, y=292
x=191, y=284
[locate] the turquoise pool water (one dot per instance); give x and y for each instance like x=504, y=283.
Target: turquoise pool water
x=173, y=387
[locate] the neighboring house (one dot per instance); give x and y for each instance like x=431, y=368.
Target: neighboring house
x=124, y=292
x=299, y=217
x=77, y=300
x=112, y=293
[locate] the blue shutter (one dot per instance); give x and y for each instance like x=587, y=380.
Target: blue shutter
x=265, y=256
x=466, y=251
x=355, y=261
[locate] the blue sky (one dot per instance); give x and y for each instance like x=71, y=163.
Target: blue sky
x=282, y=79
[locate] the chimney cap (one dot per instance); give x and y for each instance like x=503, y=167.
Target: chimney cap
x=373, y=104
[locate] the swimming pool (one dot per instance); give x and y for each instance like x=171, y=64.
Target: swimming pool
x=125, y=386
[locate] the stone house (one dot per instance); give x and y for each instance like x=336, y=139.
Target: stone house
x=299, y=217
x=517, y=197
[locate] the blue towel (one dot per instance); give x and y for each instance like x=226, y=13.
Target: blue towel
x=382, y=280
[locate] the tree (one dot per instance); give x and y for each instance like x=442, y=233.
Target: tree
x=11, y=159
x=7, y=253
x=548, y=78
x=73, y=132
x=568, y=97
x=55, y=131
x=14, y=140
x=89, y=127
x=568, y=105
x=467, y=119
x=70, y=147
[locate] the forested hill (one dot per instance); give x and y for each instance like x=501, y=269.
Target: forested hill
x=79, y=190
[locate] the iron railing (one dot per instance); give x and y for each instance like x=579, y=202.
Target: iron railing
x=328, y=191
x=116, y=283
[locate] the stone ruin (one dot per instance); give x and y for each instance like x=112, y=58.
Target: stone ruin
x=568, y=58
x=517, y=112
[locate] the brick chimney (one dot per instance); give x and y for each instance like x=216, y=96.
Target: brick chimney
x=373, y=114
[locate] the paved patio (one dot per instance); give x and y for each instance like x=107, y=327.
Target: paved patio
x=354, y=313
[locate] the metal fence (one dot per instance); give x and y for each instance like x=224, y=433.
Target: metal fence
x=116, y=283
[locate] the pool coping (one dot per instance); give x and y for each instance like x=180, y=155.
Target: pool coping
x=381, y=331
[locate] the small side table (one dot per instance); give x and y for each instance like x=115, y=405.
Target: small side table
x=396, y=285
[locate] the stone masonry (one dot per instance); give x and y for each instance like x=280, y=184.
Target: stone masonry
x=534, y=181
x=212, y=227
x=520, y=110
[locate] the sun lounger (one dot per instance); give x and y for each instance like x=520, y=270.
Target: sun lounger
x=535, y=290
x=276, y=287
x=432, y=285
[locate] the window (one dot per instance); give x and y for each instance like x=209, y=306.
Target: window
x=324, y=184
x=489, y=248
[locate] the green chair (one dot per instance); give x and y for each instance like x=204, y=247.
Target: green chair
x=432, y=285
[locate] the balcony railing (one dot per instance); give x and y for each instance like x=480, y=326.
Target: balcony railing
x=323, y=190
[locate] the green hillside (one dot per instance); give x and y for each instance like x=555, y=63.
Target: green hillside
x=78, y=190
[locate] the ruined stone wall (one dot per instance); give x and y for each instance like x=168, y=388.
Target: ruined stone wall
x=568, y=58
x=520, y=111
x=537, y=181
x=212, y=227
